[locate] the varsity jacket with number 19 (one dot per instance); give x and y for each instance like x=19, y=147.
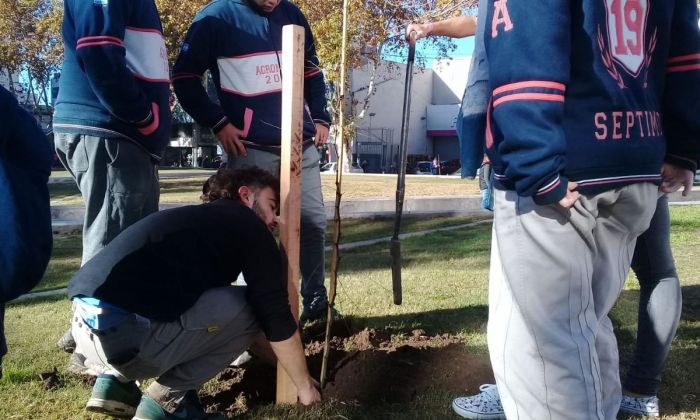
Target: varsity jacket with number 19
x=600, y=92
x=241, y=45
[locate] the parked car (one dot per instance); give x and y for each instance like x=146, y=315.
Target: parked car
x=449, y=167
x=424, y=167
x=331, y=167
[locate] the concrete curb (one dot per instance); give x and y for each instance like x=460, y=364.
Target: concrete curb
x=161, y=175
x=69, y=218
x=359, y=244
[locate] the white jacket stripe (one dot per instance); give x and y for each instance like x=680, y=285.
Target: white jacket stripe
x=251, y=75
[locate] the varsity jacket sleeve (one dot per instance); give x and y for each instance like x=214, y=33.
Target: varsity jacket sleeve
x=681, y=107
x=99, y=34
x=528, y=47
x=314, y=83
x=188, y=74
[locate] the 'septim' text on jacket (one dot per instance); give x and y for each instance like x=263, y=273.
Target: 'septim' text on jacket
x=600, y=92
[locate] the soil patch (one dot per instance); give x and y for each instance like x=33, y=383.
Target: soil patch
x=366, y=367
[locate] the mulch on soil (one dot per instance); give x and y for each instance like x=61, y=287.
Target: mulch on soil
x=365, y=367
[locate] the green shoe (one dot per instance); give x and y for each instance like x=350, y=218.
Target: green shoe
x=190, y=408
x=111, y=397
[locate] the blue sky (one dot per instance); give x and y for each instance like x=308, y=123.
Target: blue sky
x=465, y=46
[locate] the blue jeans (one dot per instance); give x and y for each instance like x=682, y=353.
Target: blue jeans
x=313, y=222
x=471, y=127
x=659, y=303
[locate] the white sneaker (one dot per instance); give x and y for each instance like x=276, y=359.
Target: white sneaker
x=640, y=406
x=485, y=405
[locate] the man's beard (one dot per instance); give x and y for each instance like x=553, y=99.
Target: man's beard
x=257, y=209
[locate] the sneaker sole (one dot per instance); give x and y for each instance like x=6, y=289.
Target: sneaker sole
x=634, y=412
x=476, y=416
x=110, y=408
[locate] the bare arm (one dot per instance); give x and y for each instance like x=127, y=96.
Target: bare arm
x=455, y=27
x=290, y=354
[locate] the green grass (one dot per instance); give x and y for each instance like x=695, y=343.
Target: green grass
x=188, y=188
x=445, y=291
x=65, y=260
x=67, y=250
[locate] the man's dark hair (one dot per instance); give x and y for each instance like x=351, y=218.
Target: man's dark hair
x=226, y=182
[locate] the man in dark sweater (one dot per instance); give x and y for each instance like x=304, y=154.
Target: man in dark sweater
x=25, y=227
x=157, y=302
x=239, y=43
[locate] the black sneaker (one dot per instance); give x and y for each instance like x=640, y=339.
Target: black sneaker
x=67, y=343
x=318, y=315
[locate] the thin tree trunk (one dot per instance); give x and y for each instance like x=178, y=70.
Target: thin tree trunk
x=335, y=256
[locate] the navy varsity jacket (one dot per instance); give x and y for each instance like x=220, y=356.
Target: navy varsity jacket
x=241, y=46
x=115, y=77
x=594, y=91
x=25, y=217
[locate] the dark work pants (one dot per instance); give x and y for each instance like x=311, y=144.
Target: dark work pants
x=659, y=303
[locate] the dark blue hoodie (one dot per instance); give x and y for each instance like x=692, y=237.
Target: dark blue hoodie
x=25, y=219
x=115, y=80
x=241, y=45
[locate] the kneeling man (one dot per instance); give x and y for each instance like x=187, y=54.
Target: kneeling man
x=157, y=302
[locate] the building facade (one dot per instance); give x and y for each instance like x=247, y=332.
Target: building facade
x=435, y=98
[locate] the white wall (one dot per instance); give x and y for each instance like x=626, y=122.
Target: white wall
x=387, y=102
x=441, y=86
x=442, y=117
x=450, y=80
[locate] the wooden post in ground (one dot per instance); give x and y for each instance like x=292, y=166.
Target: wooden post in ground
x=290, y=178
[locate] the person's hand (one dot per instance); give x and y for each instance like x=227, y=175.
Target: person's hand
x=321, y=135
x=571, y=196
x=674, y=177
x=230, y=138
x=309, y=394
x=421, y=29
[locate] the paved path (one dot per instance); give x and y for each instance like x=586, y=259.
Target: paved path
x=69, y=218
x=162, y=174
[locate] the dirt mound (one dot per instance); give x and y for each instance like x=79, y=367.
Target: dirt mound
x=366, y=367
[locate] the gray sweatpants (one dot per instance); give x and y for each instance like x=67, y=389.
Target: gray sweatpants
x=555, y=275
x=118, y=181
x=181, y=354
x=313, y=221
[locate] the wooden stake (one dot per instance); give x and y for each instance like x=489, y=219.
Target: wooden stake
x=290, y=178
